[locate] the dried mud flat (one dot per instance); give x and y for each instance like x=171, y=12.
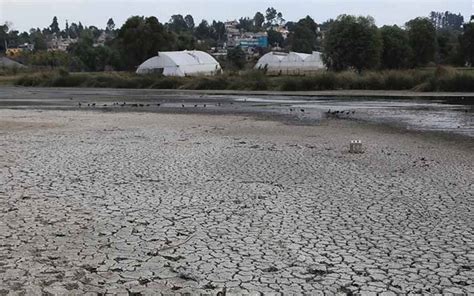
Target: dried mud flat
x=148, y=203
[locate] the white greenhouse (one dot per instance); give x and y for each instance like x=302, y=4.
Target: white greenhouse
x=293, y=63
x=181, y=63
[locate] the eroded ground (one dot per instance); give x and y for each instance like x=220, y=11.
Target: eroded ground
x=144, y=203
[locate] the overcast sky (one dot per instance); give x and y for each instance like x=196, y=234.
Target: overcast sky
x=25, y=14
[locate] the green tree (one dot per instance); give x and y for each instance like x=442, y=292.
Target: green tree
x=184, y=40
x=236, y=57
x=74, y=31
x=246, y=24
x=110, y=25
x=141, y=38
x=177, y=23
x=422, y=39
x=447, y=20
x=275, y=38
x=3, y=36
x=270, y=15
x=189, y=22
x=258, y=20
x=304, y=36
x=93, y=58
x=448, y=49
x=218, y=31
x=280, y=20
x=38, y=40
x=54, y=27
x=352, y=42
x=203, y=30
x=396, y=51
x=466, y=41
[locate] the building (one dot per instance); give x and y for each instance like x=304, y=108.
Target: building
x=252, y=40
x=60, y=43
x=181, y=63
x=293, y=63
x=246, y=40
x=18, y=51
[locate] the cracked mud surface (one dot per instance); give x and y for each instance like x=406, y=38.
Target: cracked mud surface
x=146, y=203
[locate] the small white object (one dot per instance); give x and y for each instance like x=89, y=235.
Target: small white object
x=356, y=146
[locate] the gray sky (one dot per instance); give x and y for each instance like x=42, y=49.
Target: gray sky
x=25, y=14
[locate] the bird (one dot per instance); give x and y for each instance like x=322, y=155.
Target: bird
x=88, y=105
x=158, y=105
x=348, y=112
x=302, y=110
x=204, y=105
x=182, y=105
x=80, y=104
x=105, y=105
x=148, y=105
x=141, y=105
x=195, y=106
x=329, y=111
x=291, y=110
x=93, y=104
x=353, y=111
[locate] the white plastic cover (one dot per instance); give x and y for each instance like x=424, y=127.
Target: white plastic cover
x=290, y=63
x=181, y=63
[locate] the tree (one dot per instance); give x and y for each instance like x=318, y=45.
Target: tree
x=177, y=23
x=422, y=39
x=246, y=24
x=466, y=41
x=352, y=42
x=38, y=39
x=110, y=25
x=141, y=38
x=447, y=20
x=189, y=22
x=448, y=47
x=275, y=38
x=3, y=36
x=203, y=31
x=92, y=58
x=218, y=31
x=95, y=32
x=66, y=30
x=304, y=36
x=54, y=27
x=73, y=31
x=237, y=57
x=258, y=20
x=396, y=51
x=280, y=19
x=270, y=15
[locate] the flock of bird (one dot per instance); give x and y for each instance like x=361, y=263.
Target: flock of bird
x=124, y=104
x=329, y=112
x=337, y=112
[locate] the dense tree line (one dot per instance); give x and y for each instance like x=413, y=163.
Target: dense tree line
x=355, y=42
x=347, y=42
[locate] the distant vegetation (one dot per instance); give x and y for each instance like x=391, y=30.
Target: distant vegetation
x=348, y=42
x=439, y=79
x=358, y=54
